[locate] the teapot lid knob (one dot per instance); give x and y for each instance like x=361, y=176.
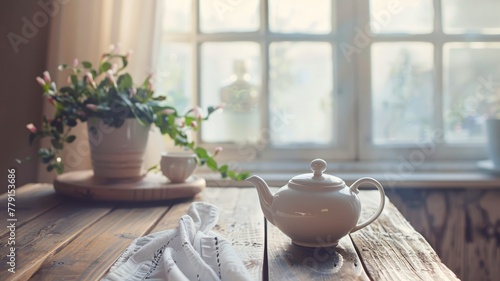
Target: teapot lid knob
x=317, y=179
x=318, y=166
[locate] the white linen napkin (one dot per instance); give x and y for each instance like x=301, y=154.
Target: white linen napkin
x=190, y=252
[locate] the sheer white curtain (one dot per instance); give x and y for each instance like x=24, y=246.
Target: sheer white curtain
x=84, y=29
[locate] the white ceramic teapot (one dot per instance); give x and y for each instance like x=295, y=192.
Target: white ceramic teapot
x=315, y=209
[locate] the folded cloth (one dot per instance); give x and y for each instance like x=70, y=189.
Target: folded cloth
x=190, y=252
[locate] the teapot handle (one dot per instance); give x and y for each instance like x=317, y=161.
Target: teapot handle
x=354, y=188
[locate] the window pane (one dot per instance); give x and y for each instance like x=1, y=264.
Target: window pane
x=229, y=16
x=173, y=77
x=472, y=85
x=300, y=84
x=177, y=16
x=300, y=16
x=401, y=16
x=402, y=91
x=466, y=16
x=230, y=74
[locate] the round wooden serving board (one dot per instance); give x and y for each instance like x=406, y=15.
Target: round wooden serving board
x=151, y=187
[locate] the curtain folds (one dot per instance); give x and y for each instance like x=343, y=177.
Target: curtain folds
x=86, y=29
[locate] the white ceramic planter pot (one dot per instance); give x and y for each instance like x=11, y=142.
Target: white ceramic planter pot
x=493, y=132
x=117, y=152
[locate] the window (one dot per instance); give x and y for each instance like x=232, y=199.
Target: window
x=339, y=79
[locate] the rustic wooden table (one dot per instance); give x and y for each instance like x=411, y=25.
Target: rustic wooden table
x=57, y=238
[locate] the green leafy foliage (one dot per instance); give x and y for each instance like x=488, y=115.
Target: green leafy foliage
x=87, y=65
x=125, y=81
x=105, y=66
x=107, y=93
x=70, y=139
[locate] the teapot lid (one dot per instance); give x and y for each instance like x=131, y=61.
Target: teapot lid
x=317, y=178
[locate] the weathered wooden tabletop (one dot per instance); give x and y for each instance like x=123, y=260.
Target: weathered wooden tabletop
x=62, y=239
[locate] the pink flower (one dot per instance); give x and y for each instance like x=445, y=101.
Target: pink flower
x=51, y=100
x=40, y=81
x=114, y=48
x=114, y=67
x=220, y=106
x=194, y=124
x=180, y=122
x=110, y=77
x=31, y=128
x=90, y=79
x=132, y=92
x=168, y=111
x=92, y=107
x=46, y=76
x=109, y=74
x=75, y=62
x=218, y=149
x=82, y=113
x=197, y=112
x=68, y=80
x=129, y=53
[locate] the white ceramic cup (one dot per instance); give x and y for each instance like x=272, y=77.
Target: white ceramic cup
x=177, y=167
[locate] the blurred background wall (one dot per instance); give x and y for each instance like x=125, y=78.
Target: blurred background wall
x=24, y=33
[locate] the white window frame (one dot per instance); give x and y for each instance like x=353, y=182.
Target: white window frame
x=352, y=88
x=343, y=82
x=436, y=149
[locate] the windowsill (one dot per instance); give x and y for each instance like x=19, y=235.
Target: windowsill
x=390, y=174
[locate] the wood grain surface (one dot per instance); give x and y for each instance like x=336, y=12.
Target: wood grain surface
x=30, y=201
x=483, y=246
x=393, y=245
x=98, y=246
x=287, y=261
x=51, y=231
x=151, y=187
x=462, y=225
x=63, y=239
x=76, y=240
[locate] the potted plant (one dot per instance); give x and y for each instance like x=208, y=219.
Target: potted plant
x=119, y=114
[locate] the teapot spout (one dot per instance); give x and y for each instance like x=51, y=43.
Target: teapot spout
x=265, y=196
